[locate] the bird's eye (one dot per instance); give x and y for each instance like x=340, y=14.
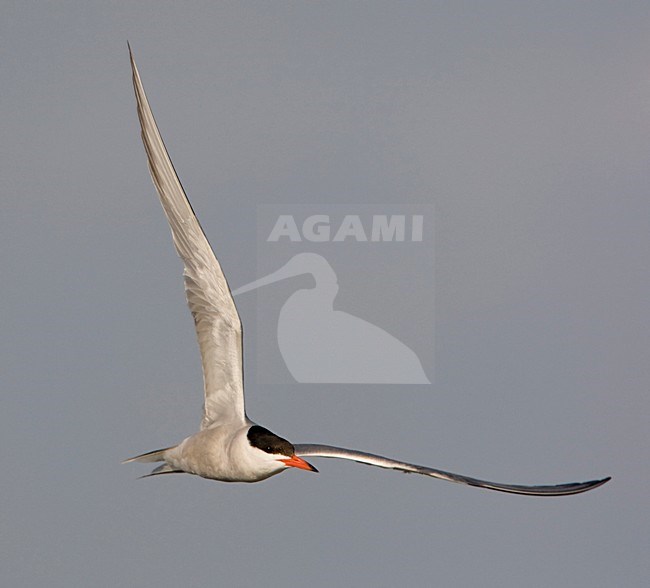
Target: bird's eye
x=268, y=449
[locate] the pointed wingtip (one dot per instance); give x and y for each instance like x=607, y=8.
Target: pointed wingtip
x=131, y=58
x=590, y=485
x=600, y=482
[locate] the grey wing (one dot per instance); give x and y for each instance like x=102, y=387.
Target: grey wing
x=384, y=462
x=218, y=327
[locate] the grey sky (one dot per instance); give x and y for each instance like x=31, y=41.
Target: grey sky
x=526, y=125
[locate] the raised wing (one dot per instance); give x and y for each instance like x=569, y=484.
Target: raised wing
x=218, y=327
x=384, y=462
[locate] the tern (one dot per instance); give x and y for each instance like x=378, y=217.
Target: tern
x=229, y=447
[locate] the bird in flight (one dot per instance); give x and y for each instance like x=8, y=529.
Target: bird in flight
x=229, y=447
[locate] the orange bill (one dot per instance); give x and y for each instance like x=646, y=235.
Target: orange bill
x=297, y=462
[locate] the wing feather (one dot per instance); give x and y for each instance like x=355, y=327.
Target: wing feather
x=384, y=462
x=218, y=327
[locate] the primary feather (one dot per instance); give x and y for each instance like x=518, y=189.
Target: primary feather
x=218, y=327
x=310, y=450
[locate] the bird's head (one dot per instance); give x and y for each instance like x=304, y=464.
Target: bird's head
x=276, y=449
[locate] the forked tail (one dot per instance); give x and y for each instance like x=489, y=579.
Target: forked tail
x=150, y=457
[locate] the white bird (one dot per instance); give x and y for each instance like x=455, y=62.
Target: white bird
x=229, y=446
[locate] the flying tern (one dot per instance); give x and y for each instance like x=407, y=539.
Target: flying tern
x=229, y=447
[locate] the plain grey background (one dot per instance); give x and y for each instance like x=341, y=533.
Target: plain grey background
x=525, y=124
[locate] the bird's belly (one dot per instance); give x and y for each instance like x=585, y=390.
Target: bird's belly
x=213, y=455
